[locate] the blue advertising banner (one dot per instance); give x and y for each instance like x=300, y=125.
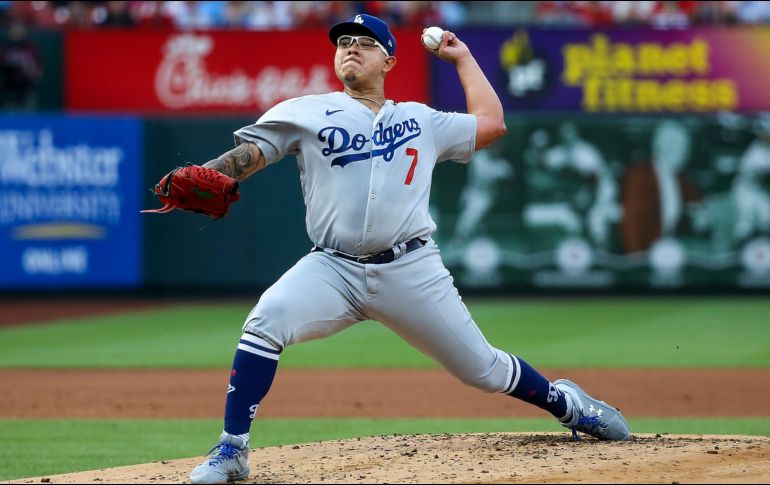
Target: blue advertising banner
x=69, y=202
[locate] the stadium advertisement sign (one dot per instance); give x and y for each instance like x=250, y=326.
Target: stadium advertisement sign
x=69, y=202
x=618, y=71
x=608, y=202
x=216, y=71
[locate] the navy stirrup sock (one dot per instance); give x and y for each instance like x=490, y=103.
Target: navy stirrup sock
x=530, y=386
x=254, y=367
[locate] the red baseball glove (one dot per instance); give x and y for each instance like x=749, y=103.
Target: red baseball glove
x=196, y=189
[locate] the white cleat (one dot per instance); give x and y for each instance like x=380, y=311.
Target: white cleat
x=228, y=461
x=593, y=417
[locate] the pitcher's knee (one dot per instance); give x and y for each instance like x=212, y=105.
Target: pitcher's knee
x=269, y=320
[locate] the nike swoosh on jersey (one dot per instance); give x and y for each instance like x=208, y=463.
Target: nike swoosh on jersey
x=330, y=112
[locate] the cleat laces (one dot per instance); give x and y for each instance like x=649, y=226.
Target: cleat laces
x=587, y=424
x=224, y=451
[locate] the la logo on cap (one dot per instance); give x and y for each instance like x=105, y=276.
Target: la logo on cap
x=358, y=19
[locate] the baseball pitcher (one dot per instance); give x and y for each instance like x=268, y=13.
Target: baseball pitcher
x=365, y=164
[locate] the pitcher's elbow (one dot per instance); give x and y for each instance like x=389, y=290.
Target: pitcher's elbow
x=489, y=131
x=502, y=130
x=499, y=131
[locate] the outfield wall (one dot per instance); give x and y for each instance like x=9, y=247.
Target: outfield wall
x=620, y=170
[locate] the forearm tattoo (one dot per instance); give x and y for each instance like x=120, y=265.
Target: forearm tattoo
x=238, y=163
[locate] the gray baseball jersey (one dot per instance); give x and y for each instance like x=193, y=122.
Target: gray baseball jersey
x=366, y=178
x=366, y=181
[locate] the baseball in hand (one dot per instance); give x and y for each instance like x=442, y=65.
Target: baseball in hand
x=432, y=36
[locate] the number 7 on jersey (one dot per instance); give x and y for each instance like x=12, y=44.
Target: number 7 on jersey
x=411, y=152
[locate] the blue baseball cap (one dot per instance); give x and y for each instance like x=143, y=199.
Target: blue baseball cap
x=368, y=23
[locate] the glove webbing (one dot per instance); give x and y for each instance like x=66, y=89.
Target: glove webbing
x=164, y=191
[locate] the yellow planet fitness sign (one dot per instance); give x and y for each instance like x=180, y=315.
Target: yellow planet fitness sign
x=701, y=70
x=647, y=76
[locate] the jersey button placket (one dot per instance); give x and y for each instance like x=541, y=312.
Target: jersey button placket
x=372, y=178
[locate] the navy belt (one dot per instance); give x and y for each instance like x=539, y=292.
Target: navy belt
x=379, y=258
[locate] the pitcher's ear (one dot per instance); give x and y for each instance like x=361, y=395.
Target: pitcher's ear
x=390, y=63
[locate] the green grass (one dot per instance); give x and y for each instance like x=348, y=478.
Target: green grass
x=79, y=444
x=682, y=332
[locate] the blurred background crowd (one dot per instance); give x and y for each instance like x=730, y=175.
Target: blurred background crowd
x=21, y=66
x=301, y=14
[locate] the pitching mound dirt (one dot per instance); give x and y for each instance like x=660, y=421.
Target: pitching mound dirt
x=481, y=458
